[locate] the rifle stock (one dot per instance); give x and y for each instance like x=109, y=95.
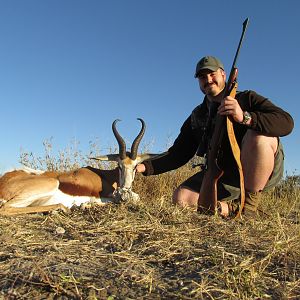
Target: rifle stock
x=208, y=195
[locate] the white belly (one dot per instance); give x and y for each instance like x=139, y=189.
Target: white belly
x=69, y=201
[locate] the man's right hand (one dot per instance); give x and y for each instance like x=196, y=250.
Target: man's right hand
x=140, y=168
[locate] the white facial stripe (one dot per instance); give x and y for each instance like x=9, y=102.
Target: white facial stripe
x=127, y=172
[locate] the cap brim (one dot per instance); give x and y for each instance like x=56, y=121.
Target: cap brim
x=211, y=68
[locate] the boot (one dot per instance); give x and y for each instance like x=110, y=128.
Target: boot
x=252, y=200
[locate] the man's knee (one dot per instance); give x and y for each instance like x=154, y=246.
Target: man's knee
x=254, y=140
x=258, y=159
x=185, y=197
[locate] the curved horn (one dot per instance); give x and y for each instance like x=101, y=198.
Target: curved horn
x=136, y=142
x=121, y=142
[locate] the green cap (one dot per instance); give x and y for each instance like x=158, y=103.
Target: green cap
x=210, y=63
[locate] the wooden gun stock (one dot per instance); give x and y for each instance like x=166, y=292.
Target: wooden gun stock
x=208, y=196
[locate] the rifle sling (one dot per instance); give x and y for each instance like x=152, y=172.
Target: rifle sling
x=236, y=154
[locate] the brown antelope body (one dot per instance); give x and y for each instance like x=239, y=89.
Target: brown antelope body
x=28, y=191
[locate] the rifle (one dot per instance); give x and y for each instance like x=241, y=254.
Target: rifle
x=208, y=192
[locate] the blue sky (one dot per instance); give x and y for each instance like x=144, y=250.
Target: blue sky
x=68, y=68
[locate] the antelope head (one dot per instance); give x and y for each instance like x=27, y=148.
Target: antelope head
x=127, y=162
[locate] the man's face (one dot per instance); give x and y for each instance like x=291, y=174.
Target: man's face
x=212, y=83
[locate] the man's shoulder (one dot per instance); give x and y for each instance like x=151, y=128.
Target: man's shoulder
x=248, y=96
x=246, y=93
x=242, y=93
x=201, y=108
x=199, y=115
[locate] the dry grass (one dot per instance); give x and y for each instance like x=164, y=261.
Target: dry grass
x=153, y=250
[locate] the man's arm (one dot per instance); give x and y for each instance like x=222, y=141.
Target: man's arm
x=266, y=117
x=177, y=155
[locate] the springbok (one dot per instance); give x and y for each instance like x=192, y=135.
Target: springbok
x=30, y=191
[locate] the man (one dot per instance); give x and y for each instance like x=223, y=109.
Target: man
x=258, y=124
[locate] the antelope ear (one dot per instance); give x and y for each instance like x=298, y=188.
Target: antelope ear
x=146, y=156
x=108, y=157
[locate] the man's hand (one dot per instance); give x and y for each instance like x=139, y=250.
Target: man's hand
x=230, y=107
x=140, y=168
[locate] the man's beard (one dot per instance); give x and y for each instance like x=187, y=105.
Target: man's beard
x=211, y=91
